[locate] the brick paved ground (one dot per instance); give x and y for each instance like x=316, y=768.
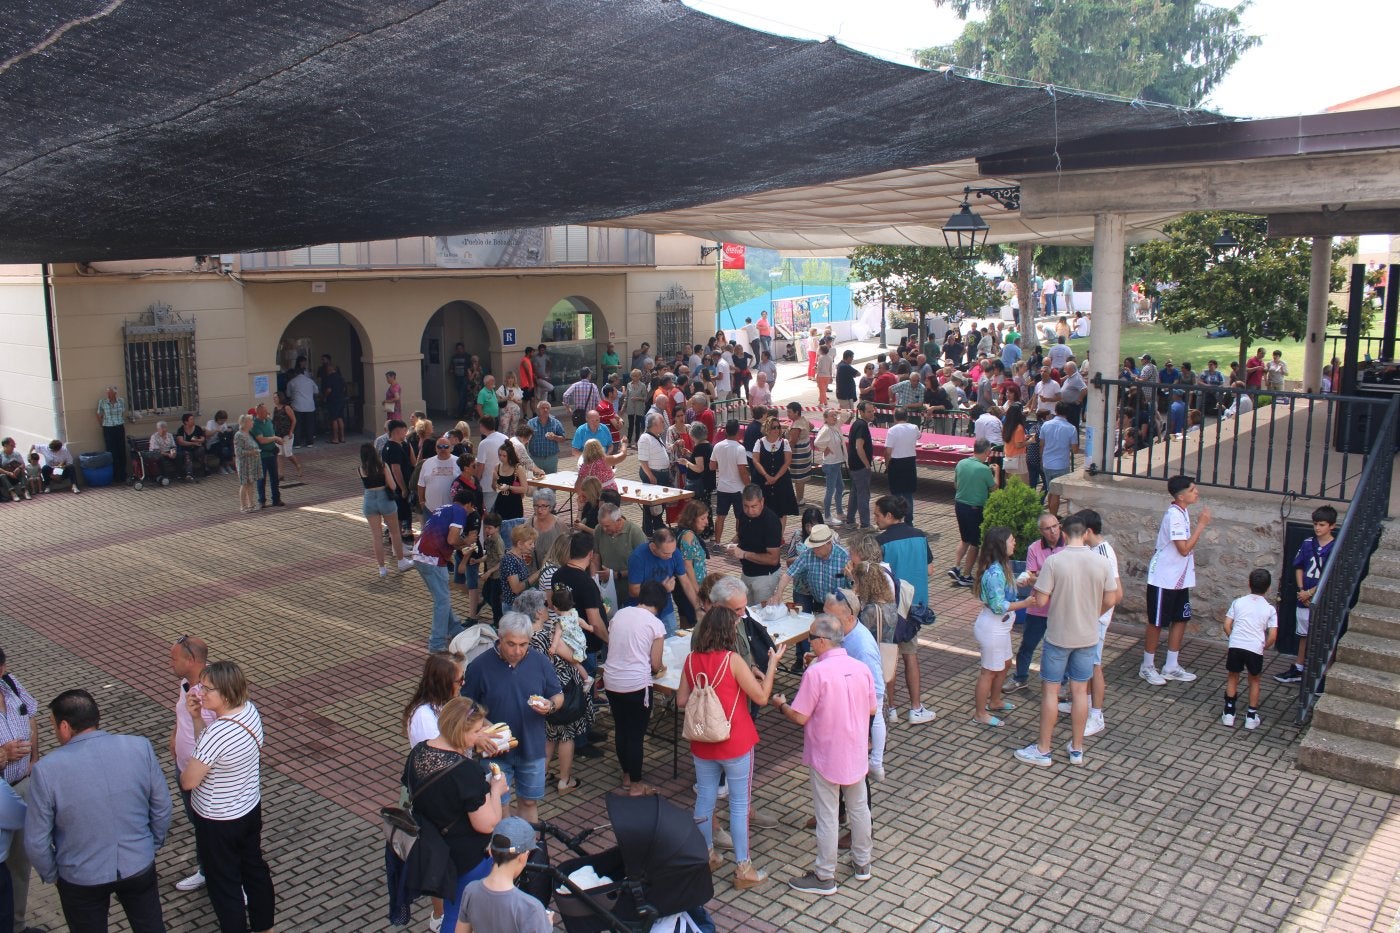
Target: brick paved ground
x=1173, y=823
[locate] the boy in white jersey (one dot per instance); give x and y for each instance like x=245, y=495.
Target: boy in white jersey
x=1252, y=624
x=1170, y=576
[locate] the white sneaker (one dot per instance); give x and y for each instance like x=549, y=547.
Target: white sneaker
x=405, y=565
x=75, y=489
x=434, y=924
x=1065, y=708
x=383, y=571
x=1178, y=673
x=1148, y=672
x=1251, y=722
x=922, y=715
x=1227, y=719
x=877, y=772
x=1094, y=725
x=893, y=715
x=192, y=883
x=721, y=794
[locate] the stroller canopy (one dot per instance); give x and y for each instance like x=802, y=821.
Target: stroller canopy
x=662, y=848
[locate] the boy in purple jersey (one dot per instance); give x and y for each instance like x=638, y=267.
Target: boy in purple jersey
x=1307, y=567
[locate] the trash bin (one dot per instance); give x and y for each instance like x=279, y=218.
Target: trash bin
x=96, y=468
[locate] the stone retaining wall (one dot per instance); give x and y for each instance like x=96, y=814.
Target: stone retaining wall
x=1246, y=531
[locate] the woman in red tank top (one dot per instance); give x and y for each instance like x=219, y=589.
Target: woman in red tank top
x=715, y=658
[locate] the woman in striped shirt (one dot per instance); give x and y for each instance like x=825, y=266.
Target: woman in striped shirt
x=223, y=778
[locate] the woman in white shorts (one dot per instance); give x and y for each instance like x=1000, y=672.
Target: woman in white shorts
x=997, y=592
x=284, y=422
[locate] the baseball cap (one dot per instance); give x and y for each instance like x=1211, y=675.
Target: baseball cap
x=512, y=836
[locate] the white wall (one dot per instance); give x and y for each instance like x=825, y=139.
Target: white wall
x=26, y=389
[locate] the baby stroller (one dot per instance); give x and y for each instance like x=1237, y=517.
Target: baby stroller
x=147, y=467
x=659, y=867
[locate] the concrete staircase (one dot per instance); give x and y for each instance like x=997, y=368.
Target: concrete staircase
x=1355, y=732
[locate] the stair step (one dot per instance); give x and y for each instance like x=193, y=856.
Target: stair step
x=1381, y=591
x=1359, y=683
x=1386, y=563
x=1357, y=719
x=1346, y=758
x=1370, y=651
x=1373, y=620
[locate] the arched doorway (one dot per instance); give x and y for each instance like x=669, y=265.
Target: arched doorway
x=327, y=331
x=455, y=322
x=576, y=332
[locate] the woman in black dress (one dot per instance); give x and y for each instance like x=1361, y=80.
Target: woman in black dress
x=772, y=461
x=458, y=795
x=510, y=483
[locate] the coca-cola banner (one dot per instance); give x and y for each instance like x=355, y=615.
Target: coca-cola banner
x=733, y=256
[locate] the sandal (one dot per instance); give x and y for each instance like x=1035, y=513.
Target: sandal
x=565, y=788
x=1005, y=707
x=989, y=723
x=641, y=790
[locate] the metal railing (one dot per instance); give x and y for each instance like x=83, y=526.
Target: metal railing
x=1307, y=445
x=1341, y=578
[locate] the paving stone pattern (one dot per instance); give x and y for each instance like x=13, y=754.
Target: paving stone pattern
x=1173, y=823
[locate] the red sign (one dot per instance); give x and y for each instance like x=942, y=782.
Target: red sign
x=733, y=256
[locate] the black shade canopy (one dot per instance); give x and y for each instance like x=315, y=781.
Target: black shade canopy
x=143, y=129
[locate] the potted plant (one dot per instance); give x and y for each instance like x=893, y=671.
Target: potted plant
x=1018, y=507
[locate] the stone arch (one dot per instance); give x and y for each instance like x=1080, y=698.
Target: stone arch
x=458, y=321
x=325, y=329
x=576, y=330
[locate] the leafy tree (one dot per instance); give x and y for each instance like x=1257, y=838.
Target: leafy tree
x=1167, y=51
x=924, y=279
x=1260, y=292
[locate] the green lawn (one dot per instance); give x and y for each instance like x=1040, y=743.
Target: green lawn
x=1194, y=346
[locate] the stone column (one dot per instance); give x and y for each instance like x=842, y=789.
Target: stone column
x=1314, y=345
x=1105, y=334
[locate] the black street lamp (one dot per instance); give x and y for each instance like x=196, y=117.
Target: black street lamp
x=1226, y=244
x=965, y=233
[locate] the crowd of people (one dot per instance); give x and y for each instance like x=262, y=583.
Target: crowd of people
x=580, y=610
x=90, y=815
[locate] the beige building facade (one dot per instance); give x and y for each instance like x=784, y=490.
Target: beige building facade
x=208, y=333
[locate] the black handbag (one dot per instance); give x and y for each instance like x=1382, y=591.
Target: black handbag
x=399, y=824
x=573, y=707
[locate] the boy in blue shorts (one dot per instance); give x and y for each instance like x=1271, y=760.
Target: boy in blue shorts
x=1252, y=625
x=1307, y=567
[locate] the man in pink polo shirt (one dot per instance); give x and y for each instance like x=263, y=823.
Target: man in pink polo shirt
x=834, y=706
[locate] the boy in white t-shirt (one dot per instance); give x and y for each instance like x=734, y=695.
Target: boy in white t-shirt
x=1252, y=624
x=1170, y=576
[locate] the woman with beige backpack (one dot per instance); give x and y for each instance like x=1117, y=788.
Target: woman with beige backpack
x=714, y=682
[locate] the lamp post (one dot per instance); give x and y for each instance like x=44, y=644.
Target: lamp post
x=965, y=233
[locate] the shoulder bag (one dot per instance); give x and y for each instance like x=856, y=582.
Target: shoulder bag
x=889, y=651
x=705, y=719
x=400, y=826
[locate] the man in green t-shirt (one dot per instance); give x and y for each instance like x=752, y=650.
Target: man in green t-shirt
x=610, y=362
x=974, y=481
x=486, y=401
x=268, y=448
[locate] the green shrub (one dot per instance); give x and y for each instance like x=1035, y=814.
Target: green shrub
x=1018, y=507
